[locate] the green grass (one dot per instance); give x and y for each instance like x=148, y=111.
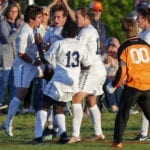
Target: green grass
x=24, y=132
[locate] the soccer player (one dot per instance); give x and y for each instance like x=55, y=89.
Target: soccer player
x=143, y=20
x=25, y=63
x=59, y=16
x=68, y=54
x=91, y=83
x=134, y=70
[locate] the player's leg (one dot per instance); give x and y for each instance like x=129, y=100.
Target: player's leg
x=41, y=118
x=59, y=118
x=95, y=117
x=77, y=116
x=22, y=79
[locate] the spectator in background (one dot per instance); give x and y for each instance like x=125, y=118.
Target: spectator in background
x=97, y=9
x=9, y=28
x=111, y=63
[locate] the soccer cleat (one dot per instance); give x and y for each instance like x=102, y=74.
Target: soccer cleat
x=37, y=141
x=49, y=134
x=74, y=139
x=140, y=137
x=7, y=130
x=95, y=138
x=118, y=145
x=63, y=138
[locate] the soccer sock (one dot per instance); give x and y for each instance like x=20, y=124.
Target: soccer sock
x=96, y=119
x=12, y=110
x=41, y=118
x=77, y=119
x=60, y=121
x=50, y=118
x=144, y=125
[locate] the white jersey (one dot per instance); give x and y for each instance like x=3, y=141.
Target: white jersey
x=25, y=44
x=24, y=72
x=93, y=84
x=69, y=54
x=53, y=34
x=145, y=35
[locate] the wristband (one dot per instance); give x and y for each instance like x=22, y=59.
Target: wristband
x=33, y=61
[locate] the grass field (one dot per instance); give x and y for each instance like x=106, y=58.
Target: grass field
x=24, y=132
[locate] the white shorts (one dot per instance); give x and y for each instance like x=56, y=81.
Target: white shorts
x=59, y=92
x=23, y=75
x=92, y=81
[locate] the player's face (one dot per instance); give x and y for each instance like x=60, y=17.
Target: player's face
x=141, y=22
x=38, y=20
x=80, y=20
x=59, y=19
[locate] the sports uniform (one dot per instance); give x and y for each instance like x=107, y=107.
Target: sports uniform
x=25, y=72
x=97, y=73
x=90, y=84
x=145, y=35
x=134, y=66
x=68, y=55
x=52, y=35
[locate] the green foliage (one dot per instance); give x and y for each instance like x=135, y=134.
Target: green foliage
x=23, y=126
x=113, y=11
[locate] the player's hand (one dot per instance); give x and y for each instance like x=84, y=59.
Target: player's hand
x=37, y=62
x=110, y=89
x=38, y=38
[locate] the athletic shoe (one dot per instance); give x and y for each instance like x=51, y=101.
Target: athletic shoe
x=140, y=137
x=7, y=130
x=3, y=106
x=74, y=139
x=63, y=138
x=133, y=112
x=95, y=138
x=118, y=145
x=49, y=134
x=37, y=141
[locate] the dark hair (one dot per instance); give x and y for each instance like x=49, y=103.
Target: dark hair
x=60, y=8
x=31, y=12
x=145, y=12
x=129, y=27
x=70, y=29
x=85, y=12
x=10, y=6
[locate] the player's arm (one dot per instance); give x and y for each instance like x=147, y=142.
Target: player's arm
x=71, y=11
x=26, y=58
x=119, y=78
x=120, y=75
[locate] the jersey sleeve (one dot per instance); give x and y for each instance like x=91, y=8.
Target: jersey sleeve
x=21, y=42
x=50, y=55
x=86, y=60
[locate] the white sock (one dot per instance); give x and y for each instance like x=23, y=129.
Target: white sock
x=12, y=110
x=77, y=119
x=41, y=118
x=60, y=121
x=50, y=118
x=96, y=119
x=144, y=125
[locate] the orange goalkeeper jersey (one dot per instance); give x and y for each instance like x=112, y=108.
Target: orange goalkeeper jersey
x=134, y=68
